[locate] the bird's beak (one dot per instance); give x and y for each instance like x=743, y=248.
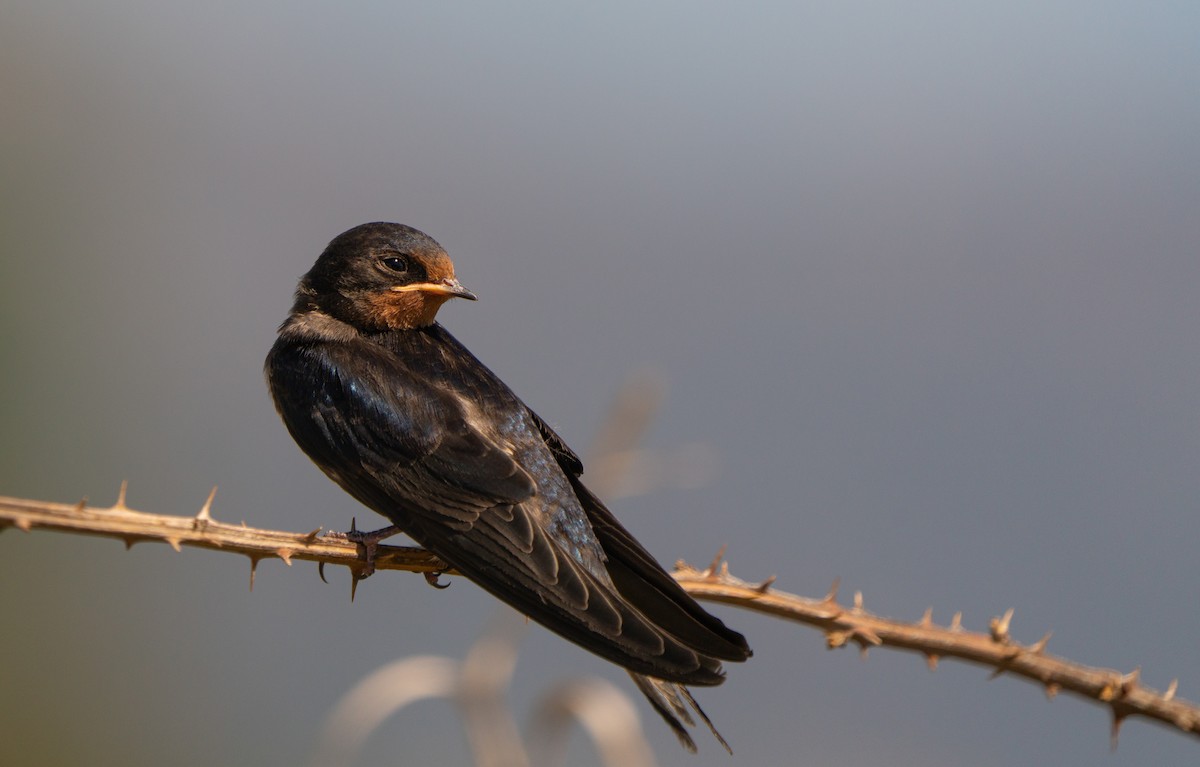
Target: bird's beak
x=448, y=287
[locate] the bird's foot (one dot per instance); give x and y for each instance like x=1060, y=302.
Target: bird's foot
x=368, y=545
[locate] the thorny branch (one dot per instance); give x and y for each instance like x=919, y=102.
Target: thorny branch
x=1122, y=693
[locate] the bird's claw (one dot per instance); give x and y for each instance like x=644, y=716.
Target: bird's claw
x=368, y=545
x=432, y=579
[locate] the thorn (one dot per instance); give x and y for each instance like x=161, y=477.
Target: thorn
x=956, y=622
x=831, y=596
x=120, y=504
x=432, y=579
x=865, y=636
x=711, y=570
x=354, y=524
x=1170, y=693
x=253, y=570
x=174, y=543
x=1117, y=721
x=1052, y=690
x=310, y=537
x=204, y=516
x=321, y=572
x=836, y=639
x=285, y=554
x=129, y=541
x=1129, y=682
x=931, y=660
x=354, y=579
x=24, y=524
x=999, y=627
x=81, y=505
x=927, y=620
x=1039, y=646
x=858, y=601
x=765, y=586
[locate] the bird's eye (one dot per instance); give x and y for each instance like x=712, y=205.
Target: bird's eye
x=395, y=263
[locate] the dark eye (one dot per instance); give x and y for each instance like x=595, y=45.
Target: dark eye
x=395, y=263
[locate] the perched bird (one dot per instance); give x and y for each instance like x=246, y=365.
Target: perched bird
x=395, y=410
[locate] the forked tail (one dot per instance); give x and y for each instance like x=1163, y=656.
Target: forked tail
x=672, y=701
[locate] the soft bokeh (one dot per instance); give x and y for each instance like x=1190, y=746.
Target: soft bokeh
x=926, y=277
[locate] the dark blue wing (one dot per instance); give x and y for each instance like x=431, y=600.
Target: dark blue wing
x=426, y=458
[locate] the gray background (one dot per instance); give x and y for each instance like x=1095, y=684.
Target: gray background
x=924, y=277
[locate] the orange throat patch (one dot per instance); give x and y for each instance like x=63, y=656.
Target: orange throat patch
x=406, y=310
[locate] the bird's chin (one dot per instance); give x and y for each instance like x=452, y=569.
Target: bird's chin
x=405, y=310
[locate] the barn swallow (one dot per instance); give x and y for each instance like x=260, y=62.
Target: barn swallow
x=399, y=414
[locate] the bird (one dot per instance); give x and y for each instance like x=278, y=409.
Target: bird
x=410, y=423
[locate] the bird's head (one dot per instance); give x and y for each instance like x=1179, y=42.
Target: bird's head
x=381, y=276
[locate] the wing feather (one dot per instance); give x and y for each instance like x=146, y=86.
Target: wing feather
x=413, y=453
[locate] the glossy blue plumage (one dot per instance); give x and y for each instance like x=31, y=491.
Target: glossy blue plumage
x=395, y=410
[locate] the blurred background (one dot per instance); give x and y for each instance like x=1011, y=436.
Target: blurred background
x=923, y=281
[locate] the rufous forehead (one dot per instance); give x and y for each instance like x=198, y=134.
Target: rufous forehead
x=438, y=266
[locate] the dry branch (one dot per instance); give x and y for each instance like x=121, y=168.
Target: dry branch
x=1122, y=693
x=131, y=526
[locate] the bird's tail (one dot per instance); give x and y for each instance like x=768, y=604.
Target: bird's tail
x=675, y=704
